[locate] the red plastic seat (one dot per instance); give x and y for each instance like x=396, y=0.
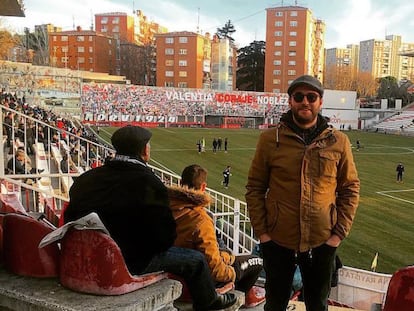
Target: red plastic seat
x=52, y=214
x=400, y=293
x=91, y=262
x=10, y=203
x=255, y=296
x=21, y=254
x=1, y=237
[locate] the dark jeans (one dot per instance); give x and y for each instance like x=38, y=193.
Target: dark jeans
x=191, y=265
x=316, y=268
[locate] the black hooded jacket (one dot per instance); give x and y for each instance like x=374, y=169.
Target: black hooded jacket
x=133, y=205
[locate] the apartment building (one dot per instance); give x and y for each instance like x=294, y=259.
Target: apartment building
x=183, y=60
x=130, y=33
x=294, y=46
x=341, y=62
x=223, y=64
x=117, y=25
x=82, y=50
x=382, y=58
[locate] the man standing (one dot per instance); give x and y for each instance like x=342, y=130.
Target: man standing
x=226, y=176
x=302, y=195
x=400, y=172
x=133, y=204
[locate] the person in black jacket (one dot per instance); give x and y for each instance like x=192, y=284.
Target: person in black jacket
x=133, y=204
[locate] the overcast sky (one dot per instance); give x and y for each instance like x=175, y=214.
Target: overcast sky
x=347, y=21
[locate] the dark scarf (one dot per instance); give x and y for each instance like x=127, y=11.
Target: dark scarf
x=308, y=135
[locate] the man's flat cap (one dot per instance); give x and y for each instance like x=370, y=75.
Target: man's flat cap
x=130, y=140
x=306, y=80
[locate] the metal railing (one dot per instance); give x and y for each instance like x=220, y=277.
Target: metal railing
x=45, y=143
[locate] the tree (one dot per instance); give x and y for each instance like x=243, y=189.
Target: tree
x=250, y=64
x=366, y=86
x=7, y=42
x=404, y=93
x=388, y=88
x=226, y=31
x=339, y=78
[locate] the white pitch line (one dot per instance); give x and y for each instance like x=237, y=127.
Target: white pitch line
x=384, y=193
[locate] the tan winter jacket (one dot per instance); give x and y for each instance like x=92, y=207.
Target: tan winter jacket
x=301, y=194
x=196, y=230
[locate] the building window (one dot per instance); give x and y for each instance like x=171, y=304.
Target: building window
x=183, y=39
x=291, y=72
x=278, y=23
x=80, y=38
x=169, y=73
x=276, y=90
x=182, y=63
x=81, y=49
x=183, y=52
x=277, y=62
x=292, y=63
x=90, y=49
x=292, y=43
x=90, y=60
x=169, y=62
x=81, y=60
x=293, y=24
x=90, y=38
x=169, y=84
x=278, y=33
x=183, y=84
x=104, y=20
x=115, y=29
x=277, y=53
x=65, y=49
x=293, y=13
x=104, y=29
x=278, y=14
x=182, y=74
x=276, y=81
x=115, y=20
x=169, y=51
x=64, y=38
x=293, y=33
x=278, y=43
x=292, y=53
x=169, y=40
x=277, y=72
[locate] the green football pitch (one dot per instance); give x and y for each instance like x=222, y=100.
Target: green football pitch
x=385, y=219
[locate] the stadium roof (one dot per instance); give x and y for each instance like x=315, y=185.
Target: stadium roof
x=12, y=8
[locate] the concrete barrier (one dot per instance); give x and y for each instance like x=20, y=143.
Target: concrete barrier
x=24, y=293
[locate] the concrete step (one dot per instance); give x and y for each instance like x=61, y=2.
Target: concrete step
x=24, y=294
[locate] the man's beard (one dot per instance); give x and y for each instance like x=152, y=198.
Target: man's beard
x=304, y=120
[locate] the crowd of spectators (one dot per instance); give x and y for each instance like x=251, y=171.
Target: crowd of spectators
x=111, y=99
x=78, y=142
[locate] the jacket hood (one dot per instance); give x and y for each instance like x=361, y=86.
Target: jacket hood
x=183, y=197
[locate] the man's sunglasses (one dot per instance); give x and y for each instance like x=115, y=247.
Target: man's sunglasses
x=311, y=97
